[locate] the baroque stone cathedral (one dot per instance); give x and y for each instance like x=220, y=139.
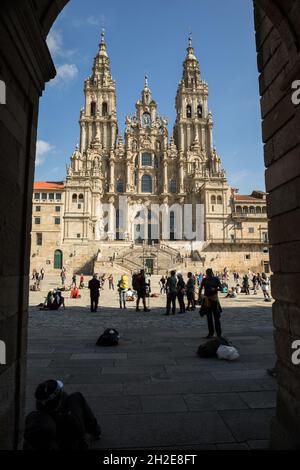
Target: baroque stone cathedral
x=152, y=175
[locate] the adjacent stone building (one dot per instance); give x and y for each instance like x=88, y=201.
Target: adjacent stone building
x=145, y=198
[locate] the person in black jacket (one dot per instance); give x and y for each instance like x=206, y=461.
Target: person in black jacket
x=94, y=286
x=181, y=292
x=210, y=305
x=61, y=421
x=141, y=286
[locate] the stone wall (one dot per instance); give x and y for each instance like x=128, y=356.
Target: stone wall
x=25, y=66
x=277, y=26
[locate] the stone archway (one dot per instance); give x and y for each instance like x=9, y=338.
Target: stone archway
x=277, y=24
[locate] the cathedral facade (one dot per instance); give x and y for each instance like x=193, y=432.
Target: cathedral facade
x=147, y=199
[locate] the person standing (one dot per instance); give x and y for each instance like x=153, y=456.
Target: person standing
x=265, y=285
x=171, y=293
x=94, y=286
x=190, y=292
x=81, y=282
x=162, y=285
x=210, y=305
x=63, y=276
x=123, y=288
x=246, y=284
x=181, y=292
x=111, y=282
x=42, y=273
x=141, y=289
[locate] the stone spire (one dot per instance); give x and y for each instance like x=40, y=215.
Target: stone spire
x=101, y=68
x=191, y=68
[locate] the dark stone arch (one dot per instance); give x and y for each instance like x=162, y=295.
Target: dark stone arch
x=26, y=65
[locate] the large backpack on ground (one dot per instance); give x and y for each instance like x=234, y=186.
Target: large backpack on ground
x=110, y=337
x=210, y=347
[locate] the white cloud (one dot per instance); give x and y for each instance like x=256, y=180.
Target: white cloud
x=42, y=149
x=91, y=20
x=56, y=46
x=65, y=73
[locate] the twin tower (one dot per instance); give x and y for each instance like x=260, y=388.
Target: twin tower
x=144, y=164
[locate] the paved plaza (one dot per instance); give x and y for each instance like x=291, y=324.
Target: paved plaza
x=152, y=390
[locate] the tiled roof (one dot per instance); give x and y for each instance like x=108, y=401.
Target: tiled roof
x=245, y=197
x=48, y=185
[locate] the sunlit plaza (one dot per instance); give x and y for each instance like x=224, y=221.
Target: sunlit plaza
x=152, y=390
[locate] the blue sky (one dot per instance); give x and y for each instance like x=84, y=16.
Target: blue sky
x=151, y=38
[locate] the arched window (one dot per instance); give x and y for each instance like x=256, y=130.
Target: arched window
x=120, y=186
x=173, y=186
x=258, y=210
x=93, y=108
x=238, y=209
x=146, y=184
x=58, y=259
x=74, y=198
x=199, y=111
x=252, y=210
x=172, y=225
x=80, y=198
x=104, y=109
x=146, y=159
x=188, y=111
x=245, y=210
x=264, y=210
x=219, y=200
x=213, y=199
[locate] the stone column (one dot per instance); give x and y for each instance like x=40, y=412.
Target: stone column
x=82, y=137
x=111, y=175
x=181, y=176
x=165, y=175
x=128, y=176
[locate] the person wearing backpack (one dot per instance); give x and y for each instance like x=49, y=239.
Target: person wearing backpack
x=210, y=305
x=141, y=289
x=123, y=288
x=94, y=286
x=61, y=421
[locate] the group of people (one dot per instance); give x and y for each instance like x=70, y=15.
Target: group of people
x=259, y=281
x=54, y=300
x=37, y=277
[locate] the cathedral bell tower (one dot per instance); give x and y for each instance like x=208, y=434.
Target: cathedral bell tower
x=98, y=118
x=193, y=126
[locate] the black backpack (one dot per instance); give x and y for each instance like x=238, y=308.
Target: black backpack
x=110, y=337
x=209, y=349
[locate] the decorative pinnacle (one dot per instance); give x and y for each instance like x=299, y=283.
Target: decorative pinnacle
x=146, y=81
x=190, y=39
x=102, y=36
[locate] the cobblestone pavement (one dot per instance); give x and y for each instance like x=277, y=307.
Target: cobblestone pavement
x=152, y=390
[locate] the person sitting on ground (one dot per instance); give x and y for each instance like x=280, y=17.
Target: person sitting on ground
x=74, y=292
x=61, y=421
x=141, y=288
x=123, y=288
x=210, y=305
x=231, y=294
x=238, y=289
x=130, y=295
x=53, y=300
